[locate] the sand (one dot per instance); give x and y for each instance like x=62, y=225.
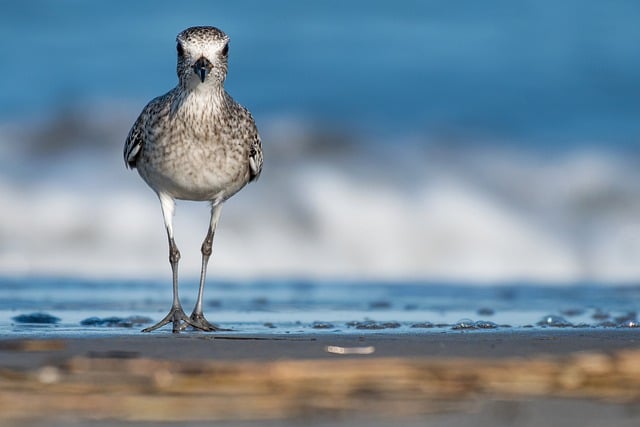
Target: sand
x=481, y=378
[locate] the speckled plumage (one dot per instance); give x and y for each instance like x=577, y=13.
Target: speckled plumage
x=195, y=143
x=189, y=147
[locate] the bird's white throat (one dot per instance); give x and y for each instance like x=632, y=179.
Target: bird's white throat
x=203, y=99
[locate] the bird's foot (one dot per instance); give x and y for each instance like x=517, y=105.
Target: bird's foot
x=198, y=321
x=177, y=316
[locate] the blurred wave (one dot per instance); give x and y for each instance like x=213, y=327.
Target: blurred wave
x=332, y=203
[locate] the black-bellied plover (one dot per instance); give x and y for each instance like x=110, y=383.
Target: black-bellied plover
x=195, y=143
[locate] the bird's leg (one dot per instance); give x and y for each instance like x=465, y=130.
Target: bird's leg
x=197, y=317
x=176, y=315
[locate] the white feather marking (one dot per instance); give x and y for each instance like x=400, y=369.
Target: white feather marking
x=253, y=166
x=133, y=152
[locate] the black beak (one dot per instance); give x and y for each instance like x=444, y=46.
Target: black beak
x=202, y=68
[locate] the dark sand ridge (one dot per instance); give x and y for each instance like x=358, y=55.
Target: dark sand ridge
x=240, y=378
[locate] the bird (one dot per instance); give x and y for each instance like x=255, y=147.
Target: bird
x=195, y=143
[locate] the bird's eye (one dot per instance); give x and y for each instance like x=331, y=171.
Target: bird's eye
x=225, y=49
x=180, y=49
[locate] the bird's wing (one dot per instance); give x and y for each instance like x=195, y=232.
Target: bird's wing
x=255, y=158
x=134, y=142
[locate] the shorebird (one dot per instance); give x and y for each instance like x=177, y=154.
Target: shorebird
x=195, y=143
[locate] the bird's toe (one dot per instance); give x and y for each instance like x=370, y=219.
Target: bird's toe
x=198, y=321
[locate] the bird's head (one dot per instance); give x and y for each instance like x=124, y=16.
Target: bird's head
x=202, y=56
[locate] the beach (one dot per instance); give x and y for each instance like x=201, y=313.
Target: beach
x=455, y=378
x=319, y=353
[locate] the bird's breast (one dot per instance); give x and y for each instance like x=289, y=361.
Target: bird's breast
x=193, y=165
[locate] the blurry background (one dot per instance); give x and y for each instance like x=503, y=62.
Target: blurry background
x=474, y=141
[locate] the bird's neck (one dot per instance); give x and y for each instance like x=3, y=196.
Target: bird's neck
x=203, y=99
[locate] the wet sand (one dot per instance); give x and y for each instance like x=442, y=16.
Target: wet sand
x=568, y=376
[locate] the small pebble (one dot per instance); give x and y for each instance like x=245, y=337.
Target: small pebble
x=464, y=324
x=371, y=324
x=629, y=324
x=485, y=324
x=40, y=318
x=554, y=321
x=423, y=325
x=116, y=322
x=321, y=325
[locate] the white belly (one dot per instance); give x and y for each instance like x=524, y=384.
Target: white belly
x=194, y=172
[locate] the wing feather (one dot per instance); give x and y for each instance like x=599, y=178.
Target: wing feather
x=135, y=141
x=255, y=158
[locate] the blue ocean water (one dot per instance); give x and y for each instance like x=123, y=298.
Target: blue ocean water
x=529, y=71
x=69, y=307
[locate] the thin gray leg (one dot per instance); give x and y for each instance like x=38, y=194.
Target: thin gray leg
x=197, y=317
x=176, y=315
